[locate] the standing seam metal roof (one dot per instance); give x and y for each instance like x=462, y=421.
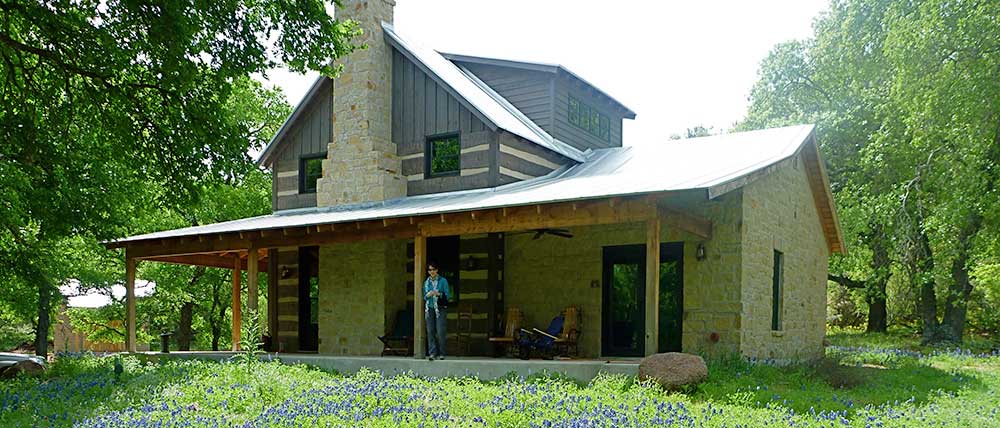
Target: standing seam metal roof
x=697, y=163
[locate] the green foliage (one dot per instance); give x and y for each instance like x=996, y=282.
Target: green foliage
x=903, y=95
x=113, y=109
x=856, y=388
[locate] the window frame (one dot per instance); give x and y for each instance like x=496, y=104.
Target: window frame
x=429, y=154
x=777, y=290
x=303, y=160
x=589, y=119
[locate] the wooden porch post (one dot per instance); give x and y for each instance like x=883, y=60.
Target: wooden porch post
x=253, y=268
x=652, y=285
x=130, y=263
x=419, y=264
x=236, y=303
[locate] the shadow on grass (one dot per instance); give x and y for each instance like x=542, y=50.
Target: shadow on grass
x=828, y=384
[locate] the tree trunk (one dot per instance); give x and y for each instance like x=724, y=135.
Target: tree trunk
x=957, y=301
x=924, y=267
x=216, y=321
x=44, y=323
x=878, y=313
x=184, y=327
x=184, y=334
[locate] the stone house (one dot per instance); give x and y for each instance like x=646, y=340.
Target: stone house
x=513, y=176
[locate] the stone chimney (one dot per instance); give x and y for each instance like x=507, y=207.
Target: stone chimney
x=361, y=163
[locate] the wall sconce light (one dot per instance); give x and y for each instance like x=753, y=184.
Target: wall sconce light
x=470, y=263
x=700, y=252
x=286, y=272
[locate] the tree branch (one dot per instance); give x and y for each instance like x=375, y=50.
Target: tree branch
x=846, y=282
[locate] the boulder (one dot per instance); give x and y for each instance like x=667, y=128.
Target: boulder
x=29, y=367
x=673, y=370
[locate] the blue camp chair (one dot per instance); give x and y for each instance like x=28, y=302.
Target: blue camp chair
x=542, y=343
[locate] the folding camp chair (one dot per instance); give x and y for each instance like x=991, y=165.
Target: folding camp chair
x=400, y=341
x=560, y=338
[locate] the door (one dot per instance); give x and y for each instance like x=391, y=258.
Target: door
x=624, y=300
x=671, y=297
x=308, y=299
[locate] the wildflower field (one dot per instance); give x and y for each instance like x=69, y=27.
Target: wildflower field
x=859, y=385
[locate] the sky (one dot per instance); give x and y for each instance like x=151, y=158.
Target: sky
x=677, y=64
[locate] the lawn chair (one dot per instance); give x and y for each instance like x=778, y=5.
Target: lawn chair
x=513, y=320
x=400, y=341
x=560, y=338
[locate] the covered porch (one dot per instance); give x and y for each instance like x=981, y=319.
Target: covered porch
x=539, y=277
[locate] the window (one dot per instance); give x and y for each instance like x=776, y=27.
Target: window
x=443, y=154
x=310, y=170
x=777, y=289
x=589, y=119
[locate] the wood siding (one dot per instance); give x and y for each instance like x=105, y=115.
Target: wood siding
x=521, y=160
x=309, y=136
x=422, y=108
x=529, y=91
x=572, y=134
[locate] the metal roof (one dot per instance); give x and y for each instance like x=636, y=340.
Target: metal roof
x=536, y=66
x=722, y=161
x=477, y=95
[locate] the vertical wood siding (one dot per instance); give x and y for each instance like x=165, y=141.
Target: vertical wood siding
x=309, y=135
x=422, y=108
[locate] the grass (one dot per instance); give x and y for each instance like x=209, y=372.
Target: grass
x=862, y=383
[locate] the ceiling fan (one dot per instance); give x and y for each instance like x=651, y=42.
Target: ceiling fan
x=562, y=233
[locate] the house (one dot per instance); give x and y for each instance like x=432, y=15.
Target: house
x=514, y=178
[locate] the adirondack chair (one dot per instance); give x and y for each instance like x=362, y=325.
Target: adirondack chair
x=400, y=341
x=513, y=320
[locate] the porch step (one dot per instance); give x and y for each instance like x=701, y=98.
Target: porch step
x=479, y=367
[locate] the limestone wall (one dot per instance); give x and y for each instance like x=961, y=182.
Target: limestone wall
x=543, y=276
x=780, y=215
x=355, y=282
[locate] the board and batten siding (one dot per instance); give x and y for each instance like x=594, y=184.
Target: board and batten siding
x=572, y=134
x=309, y=136
x=529, y=91
x=421, y=108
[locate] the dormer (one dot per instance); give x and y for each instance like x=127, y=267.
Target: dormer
x=559, y=101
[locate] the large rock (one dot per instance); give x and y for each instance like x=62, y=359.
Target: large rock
x=673, y=370
x=28, y=367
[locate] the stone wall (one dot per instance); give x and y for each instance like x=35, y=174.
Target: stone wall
x=357, y=282
x=361, y=163
x=544, y=276
x=780, y=214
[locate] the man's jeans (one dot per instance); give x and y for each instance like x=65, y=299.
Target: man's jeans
x=436, y=331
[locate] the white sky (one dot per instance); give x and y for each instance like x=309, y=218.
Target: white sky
x=677, y=64
x=100, y=298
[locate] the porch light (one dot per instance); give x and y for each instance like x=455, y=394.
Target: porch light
x=700, y=252
x=470, y=263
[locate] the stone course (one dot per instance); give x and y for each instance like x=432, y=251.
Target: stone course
x=780, y=214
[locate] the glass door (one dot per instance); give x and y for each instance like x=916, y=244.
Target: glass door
x=624, y=300
x=623, y=323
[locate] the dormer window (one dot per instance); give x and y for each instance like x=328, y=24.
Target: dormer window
x=589, y=119
x=310, y=170
x=443, y=155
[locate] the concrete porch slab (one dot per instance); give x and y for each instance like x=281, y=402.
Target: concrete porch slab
x=482, y=368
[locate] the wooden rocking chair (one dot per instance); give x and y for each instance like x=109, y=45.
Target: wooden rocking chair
x=504, y=345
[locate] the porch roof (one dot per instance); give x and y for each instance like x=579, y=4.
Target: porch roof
x=717, y=164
